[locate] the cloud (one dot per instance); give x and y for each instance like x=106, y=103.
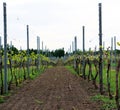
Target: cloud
x=58, y=21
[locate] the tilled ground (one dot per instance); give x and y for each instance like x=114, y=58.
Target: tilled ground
x=55, y=89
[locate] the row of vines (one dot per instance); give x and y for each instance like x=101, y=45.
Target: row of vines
x=17, y=67
x=87, y=66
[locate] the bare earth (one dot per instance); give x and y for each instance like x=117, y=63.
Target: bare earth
x=55, y=89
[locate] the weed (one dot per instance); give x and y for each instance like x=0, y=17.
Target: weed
x=38, y=101
x=2, y=99
x=70, y=68
x=107, y=103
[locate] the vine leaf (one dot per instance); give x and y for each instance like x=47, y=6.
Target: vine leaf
x=118, y=43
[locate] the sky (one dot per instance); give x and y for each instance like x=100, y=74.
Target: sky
x=57, y=22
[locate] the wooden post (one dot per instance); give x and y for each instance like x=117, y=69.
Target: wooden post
x=42, y=47
x=0, y=42
x=1, y=72
x=100, y=50
x=28, y=50
x=38, y=51
x=72, y=46
x=83, y=39
x=5, y=48
x=103, y=45
x=75, y=43
x=111, y=53
x=83, y=69
x=115, y=55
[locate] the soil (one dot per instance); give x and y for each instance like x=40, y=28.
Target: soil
x=55, y=89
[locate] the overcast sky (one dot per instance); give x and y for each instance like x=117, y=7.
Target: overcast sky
x=57, y=22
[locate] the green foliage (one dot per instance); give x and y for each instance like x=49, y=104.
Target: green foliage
x=69, y=60
x=43, y=58
x=107, y=104
x=2, y=99
x=38, y=101
x=118, y=51
x=32, y=76
x=59, y=53
x=36, y=74
x=70, y=68
x=17, y=65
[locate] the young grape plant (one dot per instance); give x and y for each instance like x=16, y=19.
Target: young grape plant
x=90, y=71
x=17, y=67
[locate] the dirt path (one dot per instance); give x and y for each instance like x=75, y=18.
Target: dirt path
x=56, y=89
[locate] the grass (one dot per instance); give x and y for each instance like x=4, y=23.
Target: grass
x=112, y=77
x=39, y=101
x=107, y=104
x=2, y=100
x=19, y=74
x=36, y=74
x=70, y=68
x=2, y=97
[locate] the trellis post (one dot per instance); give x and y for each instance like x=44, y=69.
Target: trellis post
x=100, y=50
x=75, y=46
x=5, y=48
x=38, y=51
x=28, y=50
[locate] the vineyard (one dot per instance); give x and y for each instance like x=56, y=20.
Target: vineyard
x=89, y=71
x=18, y=70
x=87, y=67
x=50, y=82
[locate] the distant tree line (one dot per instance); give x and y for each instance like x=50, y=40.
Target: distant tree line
x=54, y=53
x=57, y=53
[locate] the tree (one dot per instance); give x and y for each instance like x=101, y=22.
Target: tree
x=59, y=53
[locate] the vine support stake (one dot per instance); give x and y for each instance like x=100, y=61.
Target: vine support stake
x=100, y=49
x=38, y=51
x=75, y=44
x=83, y=70
x=42, y=47
x=5, y=48
x=115, y=50
x=83, y=39
x=72, y=46
x=28, y=50
x=111, y=53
